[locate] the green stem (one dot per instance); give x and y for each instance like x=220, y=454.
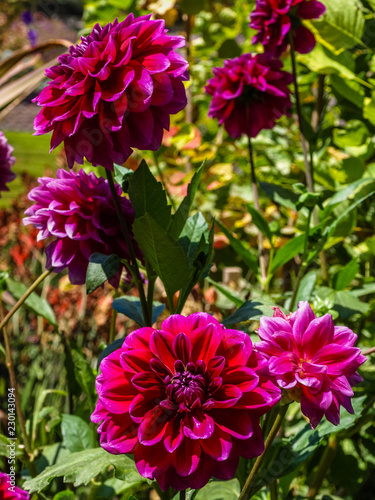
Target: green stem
x=324, y=465
x=151, y=277
x=112, y=330
x=161, y=175
x=303, y=267
x=129, y=244
x=274, y=490
x=24, y=297
x=262, y=258
x=246, y=490
x=309, y=176
x=13, y=381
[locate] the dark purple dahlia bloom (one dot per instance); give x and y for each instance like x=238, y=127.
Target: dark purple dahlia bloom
x=6, y=163
x=249, y=94
x=275, y=19
x=10, y=492
x=114, y=91
x=78, y=210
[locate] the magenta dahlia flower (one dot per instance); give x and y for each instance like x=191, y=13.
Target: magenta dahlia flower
x=186, y=400
x=6, y=163
x=8, y=491
x=275, y=19
x=314, y=361
x=114, y=91
x=78, y=210
x=249, y=94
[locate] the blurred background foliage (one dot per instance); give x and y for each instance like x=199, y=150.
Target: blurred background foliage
x=56, y=350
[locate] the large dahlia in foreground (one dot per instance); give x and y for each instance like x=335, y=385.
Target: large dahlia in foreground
x=313, y=360
x=249, y=94
x=77, y=209
x=6, y=163
x=186, y=400
x=275, y=19
x=10, y=492
x=114, y=91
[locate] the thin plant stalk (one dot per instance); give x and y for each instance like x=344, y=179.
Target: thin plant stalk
x=246, y=490
x=13, y=382
x=129, y=244
x=262, y=258
x=274, y=490
x=324, y=464
x=309, y=174
x=183, y=495
x=303, y=266
x=28, y=292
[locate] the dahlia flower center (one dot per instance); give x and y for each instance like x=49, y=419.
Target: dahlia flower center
x=187, y=385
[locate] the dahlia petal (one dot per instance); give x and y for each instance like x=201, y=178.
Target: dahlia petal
x=136, y=361
x=173, y=434
x=344, y=336
x=155, y=63
x=175, y=324
x=218, y=446
x=182, y=348
x=140, y=406
x=318, y=334
x=186, y=458
x=301, y=319
x=237, y=423
x=254, y=446
x=336, y=357
x=304, y=40
x=236, y=346
x=205, y=341
x=151, y=460
x=333, y=412
x=163, y=90
x=146, y=381
x=341, y=385
x=161, y=346
x=314, y=414
x=287, y=362
x=269, y=326
x=310, y=10
x=215, y=366
x=198, y=426
x=225, y=470
x=153, y=426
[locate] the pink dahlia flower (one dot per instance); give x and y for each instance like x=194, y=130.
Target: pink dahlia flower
x=275, y=19
x=114, y=91
x=313, y=360
x=249, y=94
x=6, y=163
x=10, y=492
x=78, y=210
x=186, y=400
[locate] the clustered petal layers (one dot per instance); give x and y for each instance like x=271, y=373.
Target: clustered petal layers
x=114, y=91
x=6, y=163
x=186, y=400
x=249, y=94
x=313, y=360
x=275, y=19
x=9, y=492
x=78, y=210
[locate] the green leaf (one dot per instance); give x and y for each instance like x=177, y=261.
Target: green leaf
x=227, y=292
x=35, y=303
x=260, y=222
x=163, y=253
x=342, y=25
x=345, y=276
x=348, y=89
x=190, y=240
x=306, y=287
x=352, y=189
x=288, y=252
x=347, y=304
x=81, y=467
x=84, y=376
x=281, y=195
x=132, y=308
x=76, y=433
x=182, y=213
x=249, y=259
x=192, y=7
x=148, y=196
x=123, y=176
x=229, y=49
x=285, y=456
x=251, y=310
x=64, y=495
x=100, y=269
x=220, y=490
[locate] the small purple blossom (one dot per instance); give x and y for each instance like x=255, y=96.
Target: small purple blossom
x=77, y=209
x=6, y=163
x=312, y=360
x=10, y=492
